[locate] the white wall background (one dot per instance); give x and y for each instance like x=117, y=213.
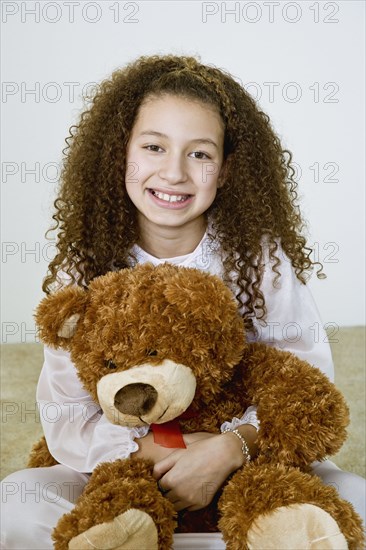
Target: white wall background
x=303, y=61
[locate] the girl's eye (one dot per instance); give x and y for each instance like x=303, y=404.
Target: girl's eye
x=153, y=148
x=109, y=364
x=202, y=155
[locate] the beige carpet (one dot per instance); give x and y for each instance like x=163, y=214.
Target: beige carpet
x=20, y=426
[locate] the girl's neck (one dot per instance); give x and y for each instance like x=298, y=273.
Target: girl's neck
x=170, y=242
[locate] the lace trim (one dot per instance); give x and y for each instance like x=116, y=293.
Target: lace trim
x=132, y=446
x=129, y=445
x=249, y=417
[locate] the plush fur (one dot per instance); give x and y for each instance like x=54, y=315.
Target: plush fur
x=137, y=321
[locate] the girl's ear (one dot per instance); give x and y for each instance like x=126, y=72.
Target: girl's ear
x=59, y=314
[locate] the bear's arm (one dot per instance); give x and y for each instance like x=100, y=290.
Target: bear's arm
x=303, y=417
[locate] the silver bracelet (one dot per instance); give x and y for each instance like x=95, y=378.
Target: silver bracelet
x=244, y=445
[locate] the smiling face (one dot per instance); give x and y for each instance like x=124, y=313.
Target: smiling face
x=174, y=158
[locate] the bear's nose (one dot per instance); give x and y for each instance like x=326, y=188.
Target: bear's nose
x=135, y=399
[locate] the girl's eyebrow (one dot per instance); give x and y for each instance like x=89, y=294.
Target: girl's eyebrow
x=197, y=140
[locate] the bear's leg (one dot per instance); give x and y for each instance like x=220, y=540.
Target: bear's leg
x=273, y=506
x=121, y=508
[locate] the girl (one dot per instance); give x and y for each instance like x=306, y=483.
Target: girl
x=172, y=162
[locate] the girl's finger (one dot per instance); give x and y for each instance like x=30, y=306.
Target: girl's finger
x=179, y=505
x=166, y=464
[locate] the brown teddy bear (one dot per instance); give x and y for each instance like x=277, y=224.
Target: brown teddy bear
x=149, y=342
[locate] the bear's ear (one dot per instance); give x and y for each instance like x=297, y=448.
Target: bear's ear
x=58, y=314
x=202, y=294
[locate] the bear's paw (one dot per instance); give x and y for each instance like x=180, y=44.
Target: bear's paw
x=132, y=530
x=296, y=527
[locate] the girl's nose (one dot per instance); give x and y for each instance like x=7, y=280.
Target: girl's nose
x=173, y=169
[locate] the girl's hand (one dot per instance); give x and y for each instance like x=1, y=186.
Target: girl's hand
x=196, y=436
x=193, y=475
x=150, y=450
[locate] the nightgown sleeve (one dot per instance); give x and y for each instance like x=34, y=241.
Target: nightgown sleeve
x=293, y=321
x=77, y=432
x=293, y=324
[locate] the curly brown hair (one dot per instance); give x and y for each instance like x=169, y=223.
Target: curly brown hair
x=96, y=219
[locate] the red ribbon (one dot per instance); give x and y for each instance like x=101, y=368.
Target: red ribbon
x=169, y=433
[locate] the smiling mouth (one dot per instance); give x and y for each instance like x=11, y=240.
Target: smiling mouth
x=163, y=413
x=169, y=198
x=161, y=416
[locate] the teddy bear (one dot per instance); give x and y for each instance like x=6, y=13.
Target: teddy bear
x=151, y=342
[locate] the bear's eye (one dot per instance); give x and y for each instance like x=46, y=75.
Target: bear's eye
x=151, y=352
x=109, y=364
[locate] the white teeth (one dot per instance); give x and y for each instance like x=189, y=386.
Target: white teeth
x=169, y=198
